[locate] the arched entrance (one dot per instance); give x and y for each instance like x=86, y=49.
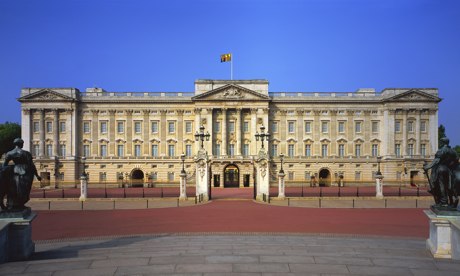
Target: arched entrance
x=231, y=176
x=324, y=178
x=137, y=177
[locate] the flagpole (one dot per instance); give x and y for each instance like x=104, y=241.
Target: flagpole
x=231, y=67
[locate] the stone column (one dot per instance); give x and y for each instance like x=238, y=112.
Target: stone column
x=26, y=129
x=197, y=126
x=418, y=135
x=129, y=132
x=433, y=131
x=42, y=133
x=404, y=132
x=253, y=131
x=238, y=133
x=94, y=132
x=146, y=132
x=163, y=131
x=281, y=194
x=74, y=129
x=316, y=146
x=366, y=129
x=208, y=144
x=223, y=149
x=350, y=132
x=56, y=132
x=112, y=127
x=300, y=132
x=283, y=131
x=180, y=132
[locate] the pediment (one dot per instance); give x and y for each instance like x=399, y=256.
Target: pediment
x=46, y=95
x=414, y=95
x=231, y=92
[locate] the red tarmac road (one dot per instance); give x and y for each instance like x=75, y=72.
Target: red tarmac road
x=230, y=216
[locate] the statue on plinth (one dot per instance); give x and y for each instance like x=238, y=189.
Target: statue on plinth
x=445, y=177
x=16, y=180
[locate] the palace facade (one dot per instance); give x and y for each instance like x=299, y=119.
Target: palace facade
x=139, y=136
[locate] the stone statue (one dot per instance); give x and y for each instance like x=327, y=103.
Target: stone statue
x=445, y=177
x=16, y=180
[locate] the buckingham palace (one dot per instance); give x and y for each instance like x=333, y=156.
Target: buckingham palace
x=139, y=137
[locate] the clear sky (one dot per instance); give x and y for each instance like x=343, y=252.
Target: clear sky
x=310, y=45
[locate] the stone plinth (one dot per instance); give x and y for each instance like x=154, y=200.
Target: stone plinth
x=444, y=236
x=16, y=238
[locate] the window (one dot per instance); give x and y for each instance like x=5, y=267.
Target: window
x=324, y=127
x=341, y=150
x=36, y=150
x=216, y=126
x=86, y=128
x=291, y=127
x=423, y=126
x=137, y=127
x=308, y=150
x=217, y=149
x=49, y=150
x=154, y=150
x=291, y=175
x=188, y=127
x=62, y=151
x=422, y=149
x=324, y=150
x=375, y=150
x=397, y=126
x=341, y=127
x=398, y=150
x=274, y=150
x=103, y=150
x=410, y=126
x=120, y=127
x=61, y=127
x=358, y=150
x=154, y=176
x=49, y=126
x=188, y=150
x=155, y=127
x=291, y=150
x=307, y=176
x=398, y=175
x=410, y=149
x=375, y=127
x=307, y=127
x=246, y=127
x=358, y=127
x=171, y=150
x=121, y=150
x=231, y=126
x=103, y=127
x=274, y=127
x=137, y=150
x=171, y=127
x=170, y=176
x=36, y=127
x=245, y=149
x=86, y=151
x=102, y=176
x=357, y=176
x=231, y=149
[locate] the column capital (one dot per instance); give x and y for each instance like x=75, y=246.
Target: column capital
x=112, y=111
x=180, y=112
x=26, y=111
x=333, y=112
x=253, y=110
x=316, y=112
x=130, y=112
x=197, y=111
x=94, y=111
x=68, y=111
x=300, y=112
x=55, y=110
x=283, y=112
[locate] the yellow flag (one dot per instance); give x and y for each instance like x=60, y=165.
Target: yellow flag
x=225, y=57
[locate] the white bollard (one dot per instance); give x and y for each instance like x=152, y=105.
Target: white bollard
x=379, y=186
x=83, y=187
x=281, y=186
x=183, y=188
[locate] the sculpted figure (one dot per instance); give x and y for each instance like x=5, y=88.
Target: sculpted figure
x=17, y=179
x=445, y=176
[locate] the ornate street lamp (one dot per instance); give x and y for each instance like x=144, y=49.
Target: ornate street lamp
x=262, y=135
x=182, y=157
x=282, y=159
x=201, y=136
x=379, y=173
x=83, y=172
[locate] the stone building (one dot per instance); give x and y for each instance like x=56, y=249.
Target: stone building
x=138, y=137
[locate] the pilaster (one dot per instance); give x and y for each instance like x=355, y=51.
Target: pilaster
x=42, y=132
x=238, y=132
x=223, y=149
x=146, y=132
x=112, y=144
x=129, y=132
x=94, y=132
x=26, y=130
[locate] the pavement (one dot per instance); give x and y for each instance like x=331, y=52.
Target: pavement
x=232, y=237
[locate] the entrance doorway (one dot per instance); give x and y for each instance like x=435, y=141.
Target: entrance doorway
x=137, y=177
x=324, y=178
x=231, y=176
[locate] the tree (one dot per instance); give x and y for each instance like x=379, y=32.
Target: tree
x=457, y=149
x=8, y=132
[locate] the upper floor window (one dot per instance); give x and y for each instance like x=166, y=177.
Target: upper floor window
x=231, y=126
x=324, y=127
x=398, y=126
x=86, y=128
x=341, y=150
x=308, y=150
x=137, y=127
x=410, y=149
x=216, y=126
x=86, y=151
x=423, y=126
x=307, y=127
x=61, y=127
x=62, y=150
x=245, y=126
x=291, y=150
x=375, y=150
x=291, y=127
x=245, y=149
x=36, y=127
x=341, y=127
x=410, y=126
x=154, y=150
x=155, y=127
x=120, y=150
x=137, y=150
x=188, y=150
x=104, y=127
x=171, y=150
x=324, y=150
x=120, y=127
x=358, y=150
x=231, y=149
x=423, y=149
x=274, y=127
x=358, y=127
x=49, y=127
x=398, y=150
x=103, y=150
x=171, y=127
x=274, y=150
x=375, y=127
x=36, y=150
x=217, y=149
x=188, y=127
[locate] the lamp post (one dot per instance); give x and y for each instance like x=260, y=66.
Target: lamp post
x=262, y=135
x=201, y=136
x=183, y=178
x=378, y=180
x=281, y=179
x=83, y=181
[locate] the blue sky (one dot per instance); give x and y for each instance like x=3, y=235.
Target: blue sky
x=311, y=45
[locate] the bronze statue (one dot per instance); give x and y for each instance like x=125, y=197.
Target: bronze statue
x=445, y=177
x=16, y=180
